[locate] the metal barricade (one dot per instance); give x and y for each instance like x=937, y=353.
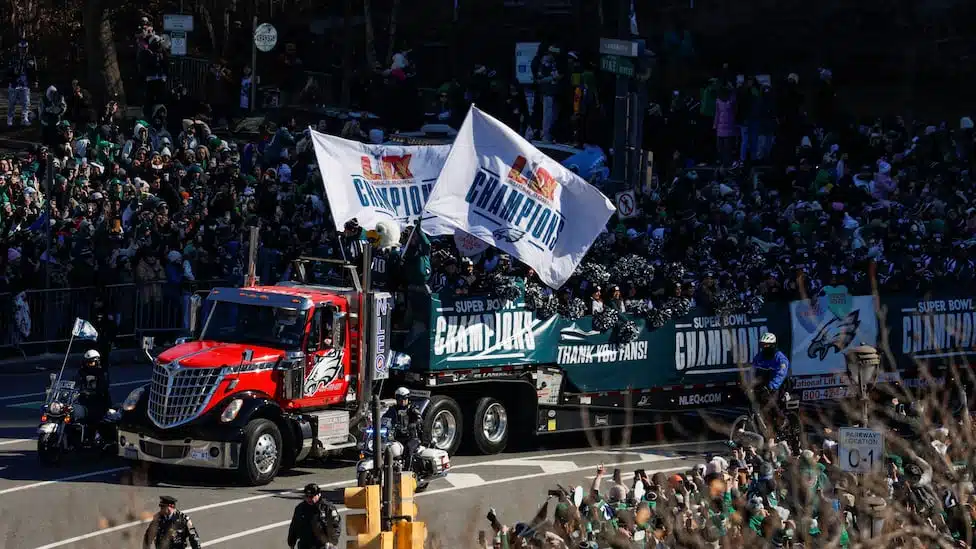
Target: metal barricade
x=156, y=309
x=192, y=72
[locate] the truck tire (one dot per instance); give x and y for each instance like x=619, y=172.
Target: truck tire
x=490, y=426
x=261, y=453
x=442, y=423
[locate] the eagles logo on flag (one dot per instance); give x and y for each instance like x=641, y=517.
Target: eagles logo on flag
x=837, y=334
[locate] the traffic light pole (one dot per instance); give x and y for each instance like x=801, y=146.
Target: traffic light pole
x=388, y=480
x=378, y=451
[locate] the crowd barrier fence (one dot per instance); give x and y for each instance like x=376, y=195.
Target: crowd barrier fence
x=155, y=309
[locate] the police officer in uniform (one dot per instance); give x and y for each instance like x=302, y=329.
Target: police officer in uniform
x=170, y=528
x=315, y=524
x=406, y=425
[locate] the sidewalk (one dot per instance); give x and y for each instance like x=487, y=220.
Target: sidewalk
x=51, y=362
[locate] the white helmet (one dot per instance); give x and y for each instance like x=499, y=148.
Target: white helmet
x=92, y=357
x=768, y=338
x=402, y=393
x=396, y=449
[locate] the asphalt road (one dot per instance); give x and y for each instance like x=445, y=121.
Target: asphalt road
x=92, y=501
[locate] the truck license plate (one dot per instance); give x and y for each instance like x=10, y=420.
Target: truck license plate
x=131, y=452
x=200, y=454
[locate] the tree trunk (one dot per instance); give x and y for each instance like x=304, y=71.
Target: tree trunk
x=103, y=61
x=208, y=22
x=370, y=36
x=345, y=92
x=394, y=11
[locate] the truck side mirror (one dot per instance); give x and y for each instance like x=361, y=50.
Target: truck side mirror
x=315, y=333
x=338, y=329
x=196, y=302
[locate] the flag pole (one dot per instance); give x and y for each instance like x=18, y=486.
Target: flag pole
x=64, y=362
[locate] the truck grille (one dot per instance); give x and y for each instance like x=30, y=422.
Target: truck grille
x=177, y=395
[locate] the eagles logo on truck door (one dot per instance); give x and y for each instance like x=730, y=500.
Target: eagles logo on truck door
x=326, y=367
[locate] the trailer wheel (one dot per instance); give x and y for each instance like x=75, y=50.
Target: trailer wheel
x=261, y=452
x=490, y=426
x=442, y=423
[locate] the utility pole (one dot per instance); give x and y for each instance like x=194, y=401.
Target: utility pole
x=621, y=100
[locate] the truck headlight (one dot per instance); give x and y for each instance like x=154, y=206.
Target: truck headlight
x=130, y=401
x=231, y=411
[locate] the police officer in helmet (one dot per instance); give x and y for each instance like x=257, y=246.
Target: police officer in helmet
x=404, y=422
x=170, y=528
x=315, y=523
x=93, y=383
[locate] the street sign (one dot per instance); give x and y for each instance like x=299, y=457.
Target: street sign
x=265, y=37
x=624, y=48
x=615, y=64
x=524, y=54
x=860, y=450
x=180, y=23
x=626, y=204
x=177, y=43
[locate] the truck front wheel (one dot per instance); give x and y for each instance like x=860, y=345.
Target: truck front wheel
x=261, y=452
x=490, y=426
x=442, y=423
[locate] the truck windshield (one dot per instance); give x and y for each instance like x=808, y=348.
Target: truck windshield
x=256, y=324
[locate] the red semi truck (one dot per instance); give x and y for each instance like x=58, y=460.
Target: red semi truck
x=279, y=374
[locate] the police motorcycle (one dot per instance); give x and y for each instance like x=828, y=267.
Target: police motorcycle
x=427, y=464
x=64, y=421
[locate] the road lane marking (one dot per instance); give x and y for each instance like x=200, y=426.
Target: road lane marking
x=588, y=452
x=29, y=404
x=42, y=393
x=280, y=524
x=127, y=525
x=464, y=480
x=547, y=466
x=62, y=479
x=15, y=441
x=217, y=505
x=246, y=533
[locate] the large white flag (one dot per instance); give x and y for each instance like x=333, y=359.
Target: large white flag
x=375, y=182
x=496, y=186
x=84, y=330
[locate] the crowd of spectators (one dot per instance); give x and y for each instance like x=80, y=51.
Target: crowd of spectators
x=763, y=194
x=760, y=494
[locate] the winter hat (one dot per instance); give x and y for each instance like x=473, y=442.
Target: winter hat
x=965, y=123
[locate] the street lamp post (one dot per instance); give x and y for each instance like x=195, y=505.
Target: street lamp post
x=863, y=366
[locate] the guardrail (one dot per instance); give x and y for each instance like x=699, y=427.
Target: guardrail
x=156, y=309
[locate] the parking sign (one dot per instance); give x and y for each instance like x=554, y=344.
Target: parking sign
x=861, y=450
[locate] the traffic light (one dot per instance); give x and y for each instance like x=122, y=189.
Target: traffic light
x=364, y=530
x=403, y=491
x=410, y=535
